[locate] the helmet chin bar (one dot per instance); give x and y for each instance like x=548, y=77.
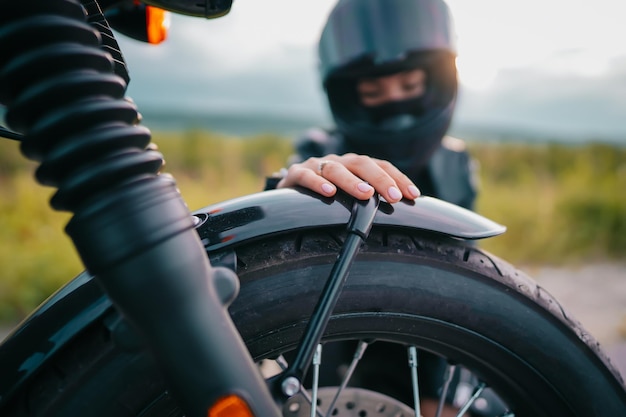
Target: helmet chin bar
x=209, y=9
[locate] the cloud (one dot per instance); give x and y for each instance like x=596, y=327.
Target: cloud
x=217, y=67
x=567, y=104
x=289, y=84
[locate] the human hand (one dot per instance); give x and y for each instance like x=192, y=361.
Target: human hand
x=358, y=175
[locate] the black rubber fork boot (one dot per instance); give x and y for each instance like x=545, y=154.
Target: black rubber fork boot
x=63, y=92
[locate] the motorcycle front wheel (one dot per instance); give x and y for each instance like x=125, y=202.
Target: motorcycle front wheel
x=443, y=296
x=406, y=291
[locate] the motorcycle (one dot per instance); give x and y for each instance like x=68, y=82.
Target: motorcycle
x=227, y=310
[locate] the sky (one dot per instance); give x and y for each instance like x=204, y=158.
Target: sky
x=551, y=66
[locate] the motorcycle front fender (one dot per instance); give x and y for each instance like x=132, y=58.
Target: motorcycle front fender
x=278, y=211
x=82, y=302
x=45, y=331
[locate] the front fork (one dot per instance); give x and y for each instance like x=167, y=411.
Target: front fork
x=64, y=97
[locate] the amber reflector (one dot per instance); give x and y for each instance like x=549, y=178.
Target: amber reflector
x=230, y=406
x=157, y=24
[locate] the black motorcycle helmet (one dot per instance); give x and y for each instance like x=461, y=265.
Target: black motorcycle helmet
x=370, y=38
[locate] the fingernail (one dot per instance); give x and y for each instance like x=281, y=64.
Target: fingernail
x=414, y=191
x=394, y=193
x=327, y=188
x=364, y=187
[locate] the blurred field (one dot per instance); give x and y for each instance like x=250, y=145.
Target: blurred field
x=561, y=204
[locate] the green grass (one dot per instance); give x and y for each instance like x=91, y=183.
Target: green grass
x=561, y=204
x=36, y=257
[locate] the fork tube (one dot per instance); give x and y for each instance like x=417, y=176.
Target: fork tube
x=167, y=289
x=360, y=223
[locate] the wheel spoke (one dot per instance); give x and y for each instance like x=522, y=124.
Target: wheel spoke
x=282, y=362
x=477, y=391
x=447, y=379
x=358, y=354
x=317, y=360
x=415, y=385
x=323, y=401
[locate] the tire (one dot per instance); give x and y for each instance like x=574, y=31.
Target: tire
x=405, y=288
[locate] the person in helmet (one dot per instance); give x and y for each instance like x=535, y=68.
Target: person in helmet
x=388, y=69
x=389, y=73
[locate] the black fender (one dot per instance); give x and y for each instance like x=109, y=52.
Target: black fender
x=81, y=302
x=277, y=211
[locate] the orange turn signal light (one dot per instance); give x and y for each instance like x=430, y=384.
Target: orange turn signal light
x=139, y=21
x=230, y=406
x=157, y=24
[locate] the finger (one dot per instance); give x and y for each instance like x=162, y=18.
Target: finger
x=407, y=187
x=301, y=175
x=371, y=171
x=336, y=172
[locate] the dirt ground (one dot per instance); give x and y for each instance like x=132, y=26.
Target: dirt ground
x=595, y=294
